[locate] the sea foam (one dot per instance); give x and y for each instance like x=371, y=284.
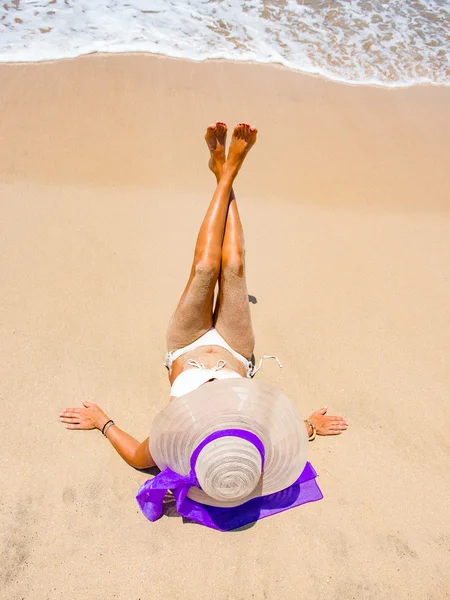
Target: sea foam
x=396, y=43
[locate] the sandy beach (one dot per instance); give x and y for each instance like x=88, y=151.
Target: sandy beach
x=345, y=205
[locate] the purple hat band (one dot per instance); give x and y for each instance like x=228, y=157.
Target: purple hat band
x=241, y=433
x=150, y=496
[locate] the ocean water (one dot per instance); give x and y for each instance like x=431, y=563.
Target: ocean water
x=391, y=43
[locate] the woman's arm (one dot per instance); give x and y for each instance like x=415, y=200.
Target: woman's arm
x=92, y=416
x=136, y=454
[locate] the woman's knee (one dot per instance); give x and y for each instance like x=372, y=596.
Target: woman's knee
x=207, y=269
x=233, y=262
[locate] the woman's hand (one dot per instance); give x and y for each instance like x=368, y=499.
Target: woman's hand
x=89, y=417
x=326, y=425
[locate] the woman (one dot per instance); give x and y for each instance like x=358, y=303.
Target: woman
x=209, y=343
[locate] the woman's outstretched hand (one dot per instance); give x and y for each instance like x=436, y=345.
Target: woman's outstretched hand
x=89, y=417
x=326, y=425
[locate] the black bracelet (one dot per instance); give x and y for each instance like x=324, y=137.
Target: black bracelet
x=103, y=429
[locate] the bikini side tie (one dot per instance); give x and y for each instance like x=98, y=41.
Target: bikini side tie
x=254, y=371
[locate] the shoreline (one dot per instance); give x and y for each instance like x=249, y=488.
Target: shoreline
x=276, y=65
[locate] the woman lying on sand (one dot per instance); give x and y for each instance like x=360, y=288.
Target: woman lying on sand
x=225, y=439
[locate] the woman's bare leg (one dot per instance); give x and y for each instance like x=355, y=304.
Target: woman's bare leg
x=194, y=314
x=232, y=314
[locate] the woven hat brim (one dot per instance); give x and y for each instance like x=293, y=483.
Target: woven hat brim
x=233, y=404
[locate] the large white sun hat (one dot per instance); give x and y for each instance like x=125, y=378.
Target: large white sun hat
x=231, y=467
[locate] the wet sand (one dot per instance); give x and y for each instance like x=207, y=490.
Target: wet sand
x=345, y=205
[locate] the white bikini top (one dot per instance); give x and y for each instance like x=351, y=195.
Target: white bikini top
x=190, y=379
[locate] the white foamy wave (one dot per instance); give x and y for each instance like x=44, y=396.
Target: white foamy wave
x=401, y=42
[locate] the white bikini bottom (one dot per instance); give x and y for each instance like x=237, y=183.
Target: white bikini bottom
x=190, y=379
x=211, y=338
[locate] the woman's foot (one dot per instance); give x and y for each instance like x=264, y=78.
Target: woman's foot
x=216, y=136
x=244, y=137
x=326, y=425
